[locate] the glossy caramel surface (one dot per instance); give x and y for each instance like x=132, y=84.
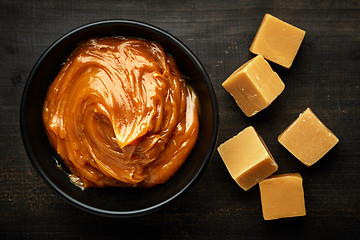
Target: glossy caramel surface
x=119, y=113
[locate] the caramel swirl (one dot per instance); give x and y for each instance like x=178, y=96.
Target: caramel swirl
x=120, y=114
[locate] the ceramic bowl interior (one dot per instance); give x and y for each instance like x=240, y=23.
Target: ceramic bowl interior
x=110, y=201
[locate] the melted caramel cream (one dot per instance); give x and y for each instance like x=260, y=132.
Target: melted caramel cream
x=120, y=114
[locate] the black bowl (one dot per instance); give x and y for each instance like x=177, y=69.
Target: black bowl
x=117, y=202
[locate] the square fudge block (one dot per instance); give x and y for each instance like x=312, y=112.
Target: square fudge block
x=307, y=138
x=277, y=41
x=282, y=196
x=247, y=158
x=254, y=85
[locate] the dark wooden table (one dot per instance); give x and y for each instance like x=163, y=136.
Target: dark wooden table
x=325, y=76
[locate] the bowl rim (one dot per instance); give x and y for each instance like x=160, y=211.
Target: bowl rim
x=70, y=199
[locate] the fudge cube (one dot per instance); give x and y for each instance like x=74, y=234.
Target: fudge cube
x=277, y=41
x=307, y=138
x=282, y=196
x=247, y=158
x=254, y=85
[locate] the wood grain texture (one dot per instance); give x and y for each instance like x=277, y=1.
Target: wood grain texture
x=325, y=76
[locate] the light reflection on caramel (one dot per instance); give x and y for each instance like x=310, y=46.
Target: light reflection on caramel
x=120, y=114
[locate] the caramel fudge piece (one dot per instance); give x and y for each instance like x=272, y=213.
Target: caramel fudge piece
x=277, y=41
x=308, y=139
x=282, y=196
x=247, y=158
x=254, y=85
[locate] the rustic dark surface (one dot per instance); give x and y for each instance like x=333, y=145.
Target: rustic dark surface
x=325, y=76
